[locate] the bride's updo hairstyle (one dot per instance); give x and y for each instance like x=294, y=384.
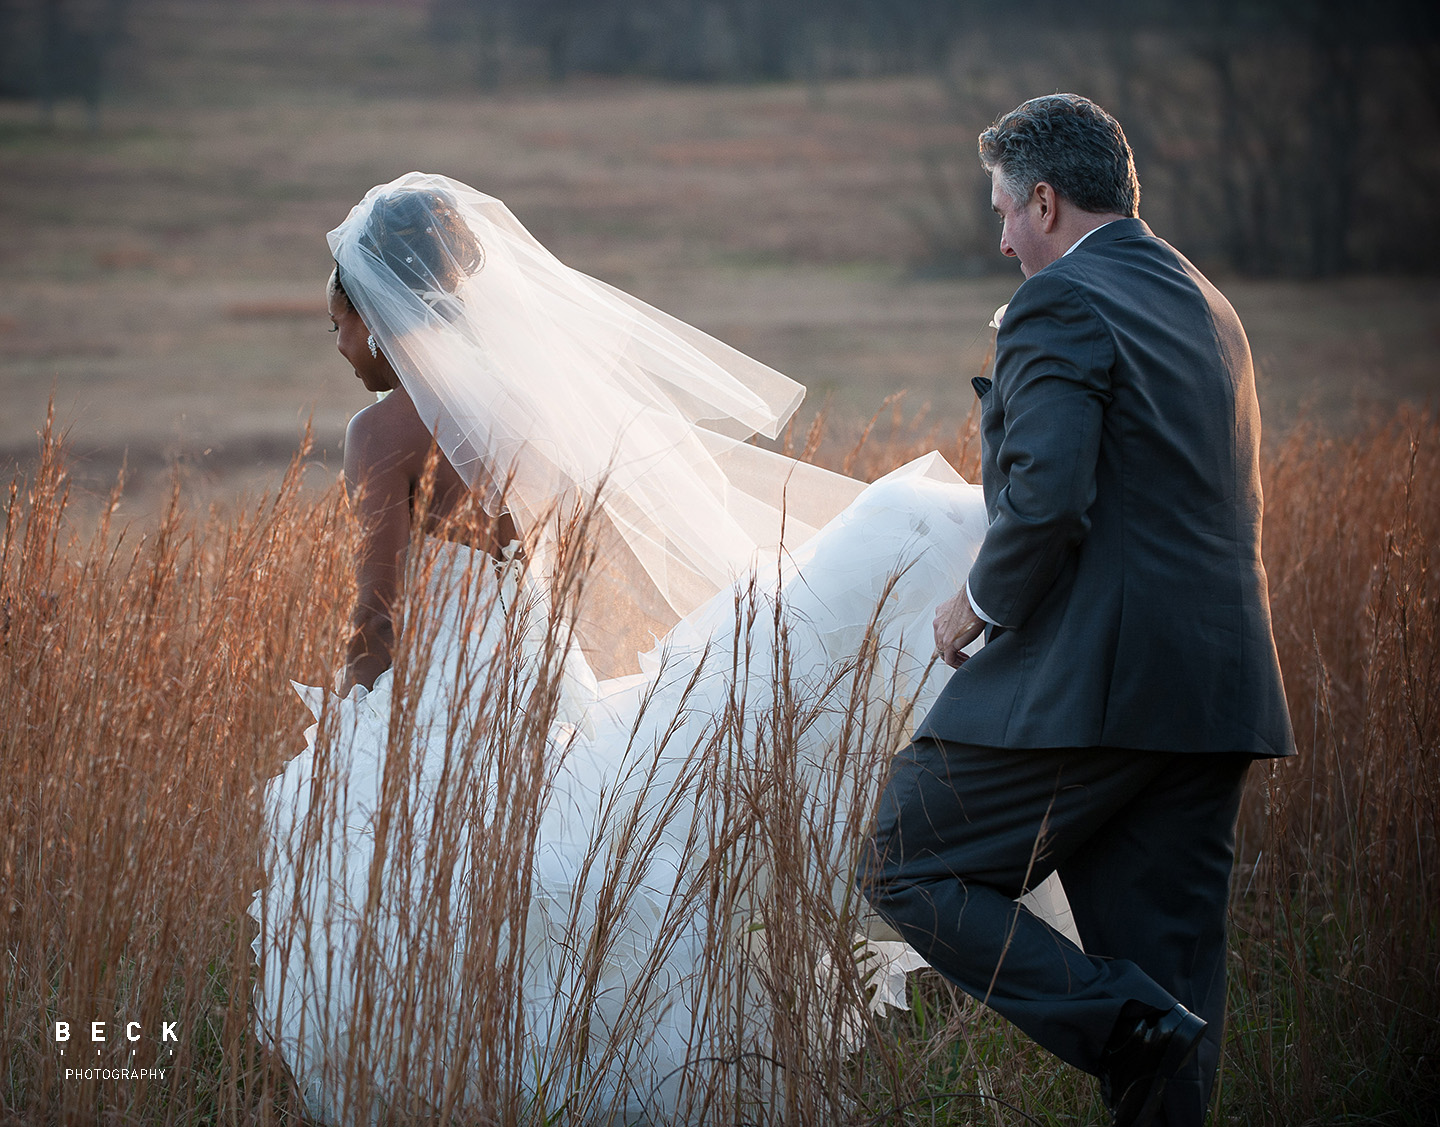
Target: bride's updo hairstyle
x=418, y=236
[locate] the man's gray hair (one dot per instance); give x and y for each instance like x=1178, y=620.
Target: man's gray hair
x=1070, y=143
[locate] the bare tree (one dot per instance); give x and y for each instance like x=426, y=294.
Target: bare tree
x=1269, y=133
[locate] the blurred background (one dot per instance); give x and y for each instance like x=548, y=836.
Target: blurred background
x=797, y=177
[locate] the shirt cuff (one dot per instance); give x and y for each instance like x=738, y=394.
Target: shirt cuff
x=976, y=606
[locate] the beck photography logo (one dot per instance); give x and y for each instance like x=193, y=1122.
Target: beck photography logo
x=151, y=1049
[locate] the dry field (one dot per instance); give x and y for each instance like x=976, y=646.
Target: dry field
x=145, y=685
x=161, y=277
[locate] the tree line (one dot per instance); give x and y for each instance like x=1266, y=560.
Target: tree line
x=1278, y=137
x=56, y=49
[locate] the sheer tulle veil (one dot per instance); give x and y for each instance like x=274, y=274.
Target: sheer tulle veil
x=548, y=384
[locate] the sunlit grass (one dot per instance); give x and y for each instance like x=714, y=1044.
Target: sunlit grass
x=145, y=701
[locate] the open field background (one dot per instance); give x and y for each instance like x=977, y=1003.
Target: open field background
x=161, y=274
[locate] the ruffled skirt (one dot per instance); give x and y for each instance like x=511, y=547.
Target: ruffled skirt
x=497, y=885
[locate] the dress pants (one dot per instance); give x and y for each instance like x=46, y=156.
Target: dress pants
x=1144, y=845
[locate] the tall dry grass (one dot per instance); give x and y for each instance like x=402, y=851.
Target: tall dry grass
x=141, y=713
x=1337, y=974
x=144, y=680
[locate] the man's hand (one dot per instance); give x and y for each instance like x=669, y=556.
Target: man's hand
x=956, y=626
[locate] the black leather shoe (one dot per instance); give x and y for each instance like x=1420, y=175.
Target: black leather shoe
x=1142, y=1057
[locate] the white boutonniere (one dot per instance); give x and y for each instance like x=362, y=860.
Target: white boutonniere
x=999, y=316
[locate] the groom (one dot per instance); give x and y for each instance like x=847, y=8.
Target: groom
x=1129, y=677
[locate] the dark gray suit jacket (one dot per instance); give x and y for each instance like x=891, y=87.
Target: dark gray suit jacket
x=1121, y=474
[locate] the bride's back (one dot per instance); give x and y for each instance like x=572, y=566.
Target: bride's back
x=390, y=450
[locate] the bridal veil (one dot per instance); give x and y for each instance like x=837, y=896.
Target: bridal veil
x=544, y=386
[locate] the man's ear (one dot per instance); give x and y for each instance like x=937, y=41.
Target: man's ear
x=1047, y=199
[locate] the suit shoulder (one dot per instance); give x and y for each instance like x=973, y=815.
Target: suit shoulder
x=1137, y=251
x=1058, y=290
x=1054, y=283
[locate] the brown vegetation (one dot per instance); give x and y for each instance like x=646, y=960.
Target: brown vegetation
x=144, y=689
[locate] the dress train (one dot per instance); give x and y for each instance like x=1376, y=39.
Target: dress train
x=496, y=881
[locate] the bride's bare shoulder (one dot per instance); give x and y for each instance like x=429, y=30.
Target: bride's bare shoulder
x=389, y=429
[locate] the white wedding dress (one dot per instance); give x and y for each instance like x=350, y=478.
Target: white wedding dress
x=576, y=860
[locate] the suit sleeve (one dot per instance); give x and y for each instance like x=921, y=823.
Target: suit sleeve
x=1052, y=380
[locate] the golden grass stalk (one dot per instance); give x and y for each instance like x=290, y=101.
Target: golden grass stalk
x=144, y=687
x=1337, y=914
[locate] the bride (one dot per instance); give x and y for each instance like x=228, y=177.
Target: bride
x=574, y=839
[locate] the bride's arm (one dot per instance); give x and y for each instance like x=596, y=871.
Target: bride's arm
x=388, y=452
x=378, y=477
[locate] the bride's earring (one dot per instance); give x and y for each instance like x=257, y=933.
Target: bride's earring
x=370, y=340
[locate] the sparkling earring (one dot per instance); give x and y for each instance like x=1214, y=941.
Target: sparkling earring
x=370, y=340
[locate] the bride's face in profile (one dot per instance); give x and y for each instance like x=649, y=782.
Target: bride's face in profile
x=351, y=338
